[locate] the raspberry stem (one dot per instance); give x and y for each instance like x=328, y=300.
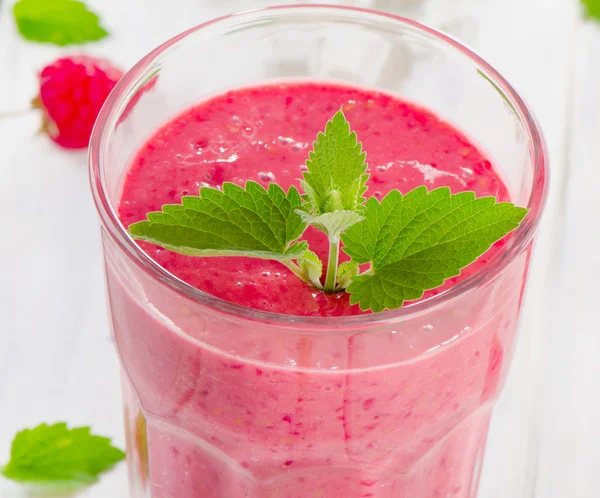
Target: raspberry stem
x=14, y=114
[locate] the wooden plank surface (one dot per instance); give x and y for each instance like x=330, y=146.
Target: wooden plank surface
x=57, y=360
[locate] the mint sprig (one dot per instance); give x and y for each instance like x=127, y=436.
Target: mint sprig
x=411, y=243
x=62, y=22
x=54, y=456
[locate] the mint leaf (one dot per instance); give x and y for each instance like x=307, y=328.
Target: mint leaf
x=53, y=455
x=417, y=241
x=333, y=223
x=336, y=175
x=592, y=8
x=346, y=272
x=250, y=221
x=62, y=22
x=311, y=267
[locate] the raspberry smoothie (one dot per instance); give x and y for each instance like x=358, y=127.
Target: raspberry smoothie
x=223, y=407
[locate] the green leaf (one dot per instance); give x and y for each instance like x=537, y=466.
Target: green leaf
x=417, y=241
x=250, y=221
x=336, y=175
x=346, y=272
x=334, y=223
x=312, y=268
x=592, y=8
x=62, y=22
x=60, y=457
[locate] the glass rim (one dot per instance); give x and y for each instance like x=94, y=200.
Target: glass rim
x=519, y=239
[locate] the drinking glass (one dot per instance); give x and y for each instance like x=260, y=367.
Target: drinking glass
x=223, y=401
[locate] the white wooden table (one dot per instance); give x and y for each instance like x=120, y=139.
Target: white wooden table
x=56, y=357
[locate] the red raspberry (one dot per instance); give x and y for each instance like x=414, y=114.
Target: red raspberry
x=72, y=91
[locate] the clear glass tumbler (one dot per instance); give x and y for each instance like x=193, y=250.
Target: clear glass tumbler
x=225, y=402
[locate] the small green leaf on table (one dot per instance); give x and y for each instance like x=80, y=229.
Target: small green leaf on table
x=54, y=456
x=592, y=8
x=62, y=22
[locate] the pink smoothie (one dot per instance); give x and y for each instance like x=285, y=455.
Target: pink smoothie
x=264, y=134
x=220, y=407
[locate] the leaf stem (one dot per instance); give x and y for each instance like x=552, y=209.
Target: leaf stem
x=332, y=266
x=296, y=270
